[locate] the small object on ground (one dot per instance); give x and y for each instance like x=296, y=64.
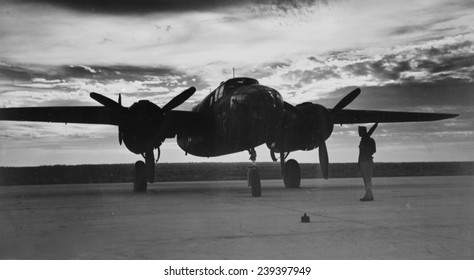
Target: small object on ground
x=305, y=218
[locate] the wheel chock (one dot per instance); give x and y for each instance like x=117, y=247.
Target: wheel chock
x=305, y=218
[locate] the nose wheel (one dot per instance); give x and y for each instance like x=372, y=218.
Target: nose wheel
x=253, y=176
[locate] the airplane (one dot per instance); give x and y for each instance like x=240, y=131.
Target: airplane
x=239, y=115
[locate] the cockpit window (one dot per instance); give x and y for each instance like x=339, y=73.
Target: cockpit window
x=219, y=91
x=235, y=83
x=231, y=85
x=242, y=81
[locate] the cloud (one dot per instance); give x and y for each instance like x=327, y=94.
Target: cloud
x=402, y=30
x=442, y=66
x=14, y=72
x=61, y=132
x=299, y=79
x=49, y=85
x=417, y=96
x=153, y=6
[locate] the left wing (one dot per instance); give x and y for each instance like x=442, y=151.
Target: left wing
x=370, y=116
x=80, y=114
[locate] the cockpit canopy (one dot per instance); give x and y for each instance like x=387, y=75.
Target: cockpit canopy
x=238, y=82
x=231, y=85
x=225, y=88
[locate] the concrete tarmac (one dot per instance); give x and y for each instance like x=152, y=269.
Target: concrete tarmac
x=411, y=218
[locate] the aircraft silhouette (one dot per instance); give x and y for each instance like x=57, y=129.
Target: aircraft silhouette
x=240, y=114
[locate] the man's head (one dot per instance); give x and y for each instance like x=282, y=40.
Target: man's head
x=362, y=131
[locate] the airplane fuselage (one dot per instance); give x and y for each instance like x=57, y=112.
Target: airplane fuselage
x=242, y=115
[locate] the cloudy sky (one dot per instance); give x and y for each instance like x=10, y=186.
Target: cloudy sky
x=404, y=55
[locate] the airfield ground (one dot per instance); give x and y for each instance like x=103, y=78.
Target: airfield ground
x=411, y=218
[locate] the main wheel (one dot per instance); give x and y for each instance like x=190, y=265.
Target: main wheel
x=139, y=177
x=254, y=181
x=292, y=174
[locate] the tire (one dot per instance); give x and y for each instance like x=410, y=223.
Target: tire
x=254, y=181
x=292, y=174
x=139, y=177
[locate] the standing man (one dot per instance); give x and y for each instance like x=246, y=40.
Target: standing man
x=366, y=163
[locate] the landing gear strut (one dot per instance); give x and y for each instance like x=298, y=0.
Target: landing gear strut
x=291, y=172
x=253, y=175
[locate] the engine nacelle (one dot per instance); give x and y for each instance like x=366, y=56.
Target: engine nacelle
x=304, y=127
x=141, y=129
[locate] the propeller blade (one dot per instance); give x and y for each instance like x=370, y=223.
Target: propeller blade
x=120, y=134
x=120, y=130
x=179, y=99
x=324, y=159
x=115, y=108
x=107, y=102
x=346, y=100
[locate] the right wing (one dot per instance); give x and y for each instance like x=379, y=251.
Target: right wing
x=372, y=116
x=76, y=114
x=179, y=121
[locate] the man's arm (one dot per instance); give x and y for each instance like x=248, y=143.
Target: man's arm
x=372, y=129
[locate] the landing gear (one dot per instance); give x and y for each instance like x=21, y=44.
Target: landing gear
x=292, y=174
x=253, y=175
x=150, y=166
x=139, y=177
x=290, y=171
x=144, y=171
x=254, y=181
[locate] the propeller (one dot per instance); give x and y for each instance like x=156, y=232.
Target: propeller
x=323, y=151
x=116, y=108
x=123, y=113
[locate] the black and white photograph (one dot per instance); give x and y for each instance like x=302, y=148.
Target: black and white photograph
x=237, y=130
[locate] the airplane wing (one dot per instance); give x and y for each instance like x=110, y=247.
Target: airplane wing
x=368, y=116
x=191, y=122
x=84, y=114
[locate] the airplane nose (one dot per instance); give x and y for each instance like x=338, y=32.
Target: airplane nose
x=261, y=102
x=266, y=104
x=260, y=109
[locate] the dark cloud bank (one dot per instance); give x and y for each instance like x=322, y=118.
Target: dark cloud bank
x=26, y=73
x=151, y=6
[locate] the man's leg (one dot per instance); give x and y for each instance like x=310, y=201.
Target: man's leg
x=366, y=170
x=370, y=171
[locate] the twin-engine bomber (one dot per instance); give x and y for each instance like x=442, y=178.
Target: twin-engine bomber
x=239, y=115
